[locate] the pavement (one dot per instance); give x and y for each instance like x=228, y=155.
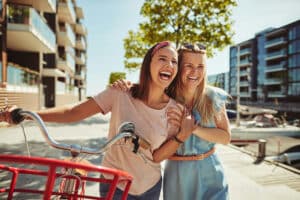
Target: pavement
x=247, y=178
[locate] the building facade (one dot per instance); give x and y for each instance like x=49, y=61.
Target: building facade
x=43, y=59
x=265, y=70
x=220, y=80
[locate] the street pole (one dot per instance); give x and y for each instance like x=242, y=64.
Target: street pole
x=238, y=88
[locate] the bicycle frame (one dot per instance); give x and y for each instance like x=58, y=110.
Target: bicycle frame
x=53, y=173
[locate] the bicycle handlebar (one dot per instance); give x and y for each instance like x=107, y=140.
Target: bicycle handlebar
x=126, y=130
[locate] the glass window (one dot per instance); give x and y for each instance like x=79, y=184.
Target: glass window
x=294, y=32
x=294, y=89
x=294, y=75
x=20, y=77
x=294, y=47
x=233, y=62
x=233, y=52
x=294, y=61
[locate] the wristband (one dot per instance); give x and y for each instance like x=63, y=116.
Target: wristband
x=177, y=140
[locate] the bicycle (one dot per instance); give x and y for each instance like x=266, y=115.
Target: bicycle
x=70, y=175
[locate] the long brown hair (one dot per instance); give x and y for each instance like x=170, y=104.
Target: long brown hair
x=141, y=90
x=201, y=101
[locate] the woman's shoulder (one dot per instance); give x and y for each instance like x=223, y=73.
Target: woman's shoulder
x=217, y=95
x=215, y=92
x=113, y=94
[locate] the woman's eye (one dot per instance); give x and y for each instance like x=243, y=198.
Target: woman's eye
x=162, y=59
x=189, y=66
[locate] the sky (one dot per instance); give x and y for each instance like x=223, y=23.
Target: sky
x=108, y=23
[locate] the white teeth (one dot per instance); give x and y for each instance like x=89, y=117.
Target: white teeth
x=193, y=78
x=166, y=73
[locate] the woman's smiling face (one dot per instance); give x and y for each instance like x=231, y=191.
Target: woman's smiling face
x=193, y=69
x=164, y=66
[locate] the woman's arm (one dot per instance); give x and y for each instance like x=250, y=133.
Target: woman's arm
x=71, y=113
x=62, y=114
x=220, y=134
x=169, y=147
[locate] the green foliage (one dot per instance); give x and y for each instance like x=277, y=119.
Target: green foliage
x=204, y=21
x=114, y=76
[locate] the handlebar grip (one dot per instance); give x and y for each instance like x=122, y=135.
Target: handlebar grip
x=16, y=116
x=144, y=144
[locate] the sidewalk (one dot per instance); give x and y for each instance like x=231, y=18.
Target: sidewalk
x=263, y=181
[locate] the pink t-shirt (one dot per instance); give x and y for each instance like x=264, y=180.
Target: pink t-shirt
x=151, y=124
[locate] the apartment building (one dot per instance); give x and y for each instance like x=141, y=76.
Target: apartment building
x=265, y=70
x=43, y=60
x=220, y=80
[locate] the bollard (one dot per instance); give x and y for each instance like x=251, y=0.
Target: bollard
x=261, y=148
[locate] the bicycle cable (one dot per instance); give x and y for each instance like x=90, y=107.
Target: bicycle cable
x=26, y=142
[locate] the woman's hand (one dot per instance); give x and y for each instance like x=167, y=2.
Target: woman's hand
x=122, y=85
x=5, y=114
x=182, y=121
x=188, y=125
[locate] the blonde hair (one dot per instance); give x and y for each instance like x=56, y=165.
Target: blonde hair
x=201, y=101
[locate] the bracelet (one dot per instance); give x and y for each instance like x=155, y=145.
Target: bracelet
x=177, y=140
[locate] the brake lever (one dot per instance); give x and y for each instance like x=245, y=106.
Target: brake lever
x=140, y=142
x=136, y=144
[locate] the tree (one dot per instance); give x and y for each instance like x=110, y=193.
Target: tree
x=204, y=21
x=116, y=76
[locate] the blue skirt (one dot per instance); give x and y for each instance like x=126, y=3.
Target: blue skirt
x=195, y=180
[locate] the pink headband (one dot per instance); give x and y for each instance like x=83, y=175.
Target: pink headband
x=159, y=46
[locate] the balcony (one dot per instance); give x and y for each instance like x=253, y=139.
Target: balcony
x=27, y=30
x=276, y=94
x=244, y=83
x=280, y=41
x=245, y=51
x=79, y=12
x=66, y=62
x=245, y=94
x=276, y=55
x=276, y=32
x=80, y=43
x=273, y=81
x=53, y=72
x=66, y=12
x=80, y=59
x=245, y=62
x=80, y=29
x=42, y=5
x=276, y=68
x=78, y=76
x=66, y=36
x=244, y=73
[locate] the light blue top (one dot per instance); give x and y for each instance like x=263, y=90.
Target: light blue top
x=199, y=179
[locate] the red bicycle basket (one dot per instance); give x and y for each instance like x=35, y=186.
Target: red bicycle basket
x=16, y=167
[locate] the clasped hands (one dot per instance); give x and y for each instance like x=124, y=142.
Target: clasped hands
x=182, y=119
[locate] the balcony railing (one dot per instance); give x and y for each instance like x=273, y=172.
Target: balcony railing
x=244, y=83
x=245, y=51
x=276, y=94
x=276, y=54
x=273, y=81
x=66, y=11
x=274, y=68
x=245, y=62
x=275, y=42
x=24, y=15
